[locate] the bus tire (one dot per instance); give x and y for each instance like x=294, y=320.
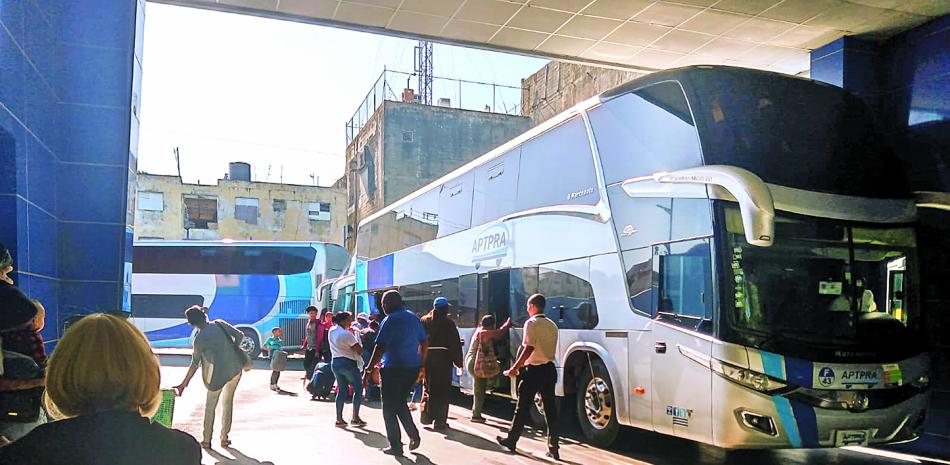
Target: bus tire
x=537, y=412
x=597, y=405
x=250, y=344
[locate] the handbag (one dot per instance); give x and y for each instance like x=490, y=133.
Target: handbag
x=278, y=360
x=245, y=359
x=486, y=362
x=470, y=355
x=21, y=406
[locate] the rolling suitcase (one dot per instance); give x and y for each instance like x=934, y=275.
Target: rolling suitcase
x=322, y=382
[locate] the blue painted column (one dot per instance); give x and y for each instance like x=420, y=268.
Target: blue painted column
x=68, y=86
x=907, y=80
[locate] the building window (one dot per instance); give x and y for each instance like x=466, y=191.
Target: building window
x=200, y=213
x=280, y=205
x=245, y=209
x=319, y=211
x=151, y=201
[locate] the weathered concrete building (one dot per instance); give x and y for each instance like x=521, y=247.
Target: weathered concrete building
x=167, y=208
x=404, y=146
x=559, y=86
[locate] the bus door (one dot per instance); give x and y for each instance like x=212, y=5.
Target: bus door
x=494, y=299
x=682, y=347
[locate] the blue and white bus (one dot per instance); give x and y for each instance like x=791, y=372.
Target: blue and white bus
x=253, y=285
x=730, y=256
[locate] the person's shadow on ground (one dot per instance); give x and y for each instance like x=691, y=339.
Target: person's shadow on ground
x=375, y=440
x=287, y=393
x=239, y=458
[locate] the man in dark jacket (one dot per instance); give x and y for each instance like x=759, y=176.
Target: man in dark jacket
x=445, y=350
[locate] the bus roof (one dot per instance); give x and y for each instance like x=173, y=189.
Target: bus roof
x=227, y=242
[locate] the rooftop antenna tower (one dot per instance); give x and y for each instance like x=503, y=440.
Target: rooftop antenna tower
x=423, y=69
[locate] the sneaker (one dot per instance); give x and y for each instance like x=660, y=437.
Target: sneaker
x=553, y=453
x=225, y=443
x=357, y=422
x=273, y=387
x=414, y=443
x=478, y=419
x=340, y=423
x=504, y=442
x=392, y=451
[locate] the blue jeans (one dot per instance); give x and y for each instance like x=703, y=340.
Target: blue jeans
x=347, y=375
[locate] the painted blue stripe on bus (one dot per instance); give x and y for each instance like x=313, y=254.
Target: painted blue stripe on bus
x=243, y=299
x=298, y=286
x=807, y=423
x=800, y=372
x=787, y=418
x=772, y=363
x=379, y=272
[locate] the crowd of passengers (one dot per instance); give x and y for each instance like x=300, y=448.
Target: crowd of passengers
x=93, y=399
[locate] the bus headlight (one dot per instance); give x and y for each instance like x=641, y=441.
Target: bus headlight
x=921, y=383
x=746, y=377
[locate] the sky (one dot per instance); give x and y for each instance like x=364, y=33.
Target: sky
x=277, y=94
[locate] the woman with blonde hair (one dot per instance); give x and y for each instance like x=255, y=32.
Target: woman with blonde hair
x=103, y=381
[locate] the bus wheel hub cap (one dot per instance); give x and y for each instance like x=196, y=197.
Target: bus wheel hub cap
x=247, y=344
x=598, y=403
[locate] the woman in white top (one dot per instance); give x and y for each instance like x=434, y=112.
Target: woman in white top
x=347, y=354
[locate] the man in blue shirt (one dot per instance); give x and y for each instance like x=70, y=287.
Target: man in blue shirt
x=401, y=343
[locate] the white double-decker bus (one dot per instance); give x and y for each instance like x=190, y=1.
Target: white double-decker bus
x=728, y=254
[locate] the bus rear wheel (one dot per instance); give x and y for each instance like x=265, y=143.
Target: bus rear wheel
x=596, y=405
x=250, y=344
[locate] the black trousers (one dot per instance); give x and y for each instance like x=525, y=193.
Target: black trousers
x=395, y=383
x=534, y=379
x=274, y=376
x=309, y=362
x=438, y=388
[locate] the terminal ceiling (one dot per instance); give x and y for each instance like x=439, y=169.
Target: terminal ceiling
x=638, y=34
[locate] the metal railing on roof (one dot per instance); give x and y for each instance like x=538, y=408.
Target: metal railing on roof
x=448, y=92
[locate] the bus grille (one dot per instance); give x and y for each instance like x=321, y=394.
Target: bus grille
x=292, y=320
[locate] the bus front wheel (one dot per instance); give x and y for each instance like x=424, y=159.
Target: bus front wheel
x=596, y=405
x=250, y=343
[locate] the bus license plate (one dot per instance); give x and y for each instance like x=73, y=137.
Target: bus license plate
x=852, y=437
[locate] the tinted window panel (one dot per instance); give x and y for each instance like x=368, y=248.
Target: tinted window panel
x=570, y=299
x=466, y=308
x=644, y=132
x=496, y=185
x=640, y=283
x=640, y=222
x=524, y=283
x=163, y=306
x=782, y=128
x=455, y=204
x=685, y=284
x=691, y=218
x=223, y=260
x=557, y=168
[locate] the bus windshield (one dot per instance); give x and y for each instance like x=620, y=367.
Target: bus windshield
x=825, y=283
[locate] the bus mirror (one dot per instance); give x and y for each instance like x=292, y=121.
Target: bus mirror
x=753, y=196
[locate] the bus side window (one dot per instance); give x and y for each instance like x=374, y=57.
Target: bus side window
x=524, y=283
x=570, y=298
x=684, y=284
x=640, y=285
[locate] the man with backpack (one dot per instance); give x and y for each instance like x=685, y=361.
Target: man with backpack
x=217, y=351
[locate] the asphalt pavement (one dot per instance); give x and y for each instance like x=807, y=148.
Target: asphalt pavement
x=287, y=428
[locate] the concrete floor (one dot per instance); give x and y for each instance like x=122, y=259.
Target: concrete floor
x=289, y=429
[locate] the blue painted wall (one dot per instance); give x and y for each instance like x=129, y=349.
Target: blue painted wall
x=68, y=85
x=907, y=79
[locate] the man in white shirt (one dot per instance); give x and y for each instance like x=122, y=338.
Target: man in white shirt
x=536, y=373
